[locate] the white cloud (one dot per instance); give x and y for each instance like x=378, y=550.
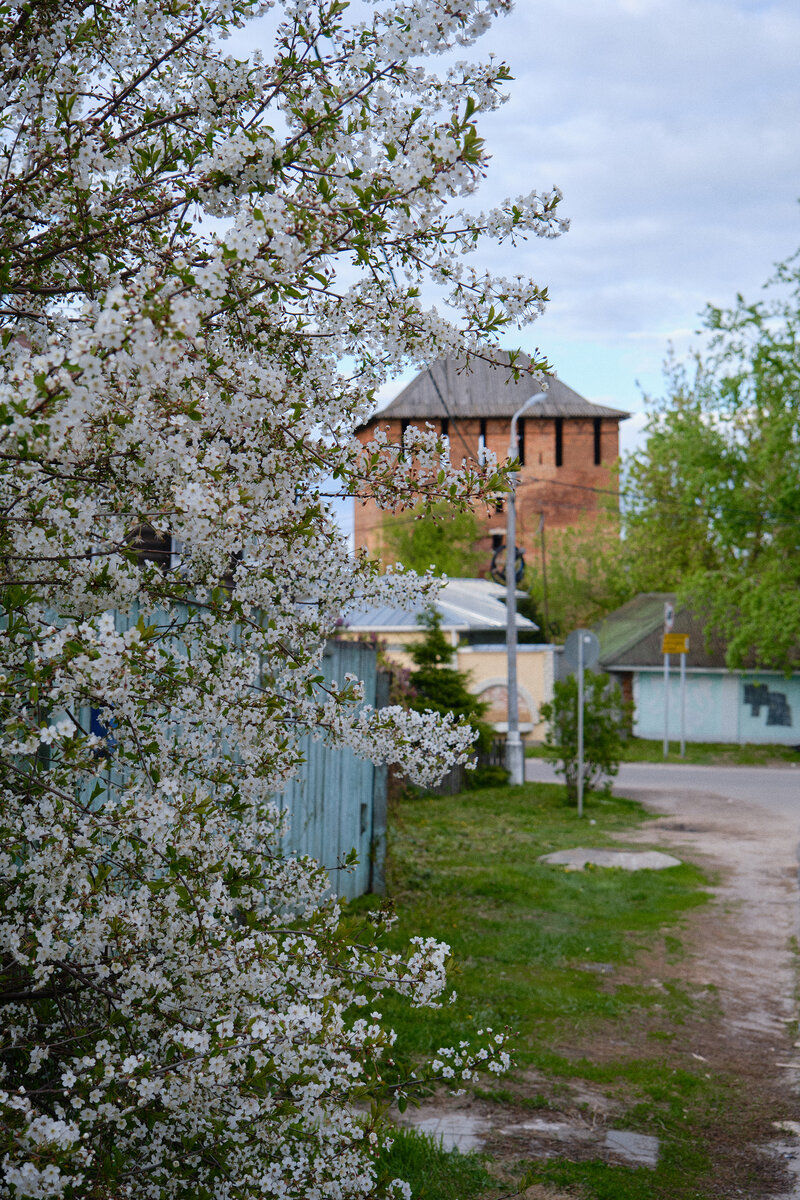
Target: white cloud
x=673, y=128
x=674, y=131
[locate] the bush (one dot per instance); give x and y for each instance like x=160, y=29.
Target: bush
x=606, y=723
x=487, y=775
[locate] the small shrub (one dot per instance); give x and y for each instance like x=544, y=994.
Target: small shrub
x=436, y=686
x=486, y=775
x=606, y=720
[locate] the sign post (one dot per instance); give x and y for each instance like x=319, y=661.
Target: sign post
x=683, y=705
x=666, y=705
x=669, y=621
x=581, y=651
x=675, y=643
x=580, y=726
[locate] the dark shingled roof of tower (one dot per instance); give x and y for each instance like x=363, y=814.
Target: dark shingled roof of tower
x=487, y=390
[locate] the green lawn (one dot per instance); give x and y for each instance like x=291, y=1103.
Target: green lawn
x=698, y=753
x=538, y=949
x=464, y=869
x=434, y=1173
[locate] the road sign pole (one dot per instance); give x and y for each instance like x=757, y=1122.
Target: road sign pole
x=666, y=705
x=581, y=652
x=580, y=724
x=683, y=706
x=674, y=643
x=669, y=624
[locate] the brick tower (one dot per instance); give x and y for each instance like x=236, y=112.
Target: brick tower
x=567, y=446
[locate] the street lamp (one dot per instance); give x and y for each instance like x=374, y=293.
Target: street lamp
x=515, y=759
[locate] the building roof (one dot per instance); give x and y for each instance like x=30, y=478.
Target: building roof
x=449, y=389
x=465, y=605
x=631, y=636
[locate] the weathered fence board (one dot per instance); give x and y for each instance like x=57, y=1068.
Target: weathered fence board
x=336, y=803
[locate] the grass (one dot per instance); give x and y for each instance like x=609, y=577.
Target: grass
x=544, y=951
x=434, y=1173
x=465, y=869
x=699, y=754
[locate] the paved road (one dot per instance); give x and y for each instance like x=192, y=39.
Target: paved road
x=774, y=788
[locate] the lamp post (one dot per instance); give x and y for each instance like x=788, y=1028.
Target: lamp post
x=515, y=759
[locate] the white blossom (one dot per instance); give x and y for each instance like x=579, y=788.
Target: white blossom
x=207, y=268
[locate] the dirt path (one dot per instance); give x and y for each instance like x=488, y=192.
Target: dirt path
x=744, y=944
x=737, y=962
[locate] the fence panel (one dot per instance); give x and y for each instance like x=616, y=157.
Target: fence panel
x=332, y=804
x=337, y=802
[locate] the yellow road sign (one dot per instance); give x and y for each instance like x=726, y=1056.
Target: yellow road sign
x=675, y=643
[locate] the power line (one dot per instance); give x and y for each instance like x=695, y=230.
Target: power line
x=675, y=506
x=442, y=401
x=678, y=506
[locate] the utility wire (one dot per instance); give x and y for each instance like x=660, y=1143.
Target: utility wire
x=675, y=505
x=450, y=416
x=408, y=519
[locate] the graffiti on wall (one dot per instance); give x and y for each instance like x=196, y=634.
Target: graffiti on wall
x=758, y=696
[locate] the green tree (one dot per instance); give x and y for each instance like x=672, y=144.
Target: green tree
x=605, y=725
x=714, y=497
x=437, y=686
x=440, y=537
x=587, y=573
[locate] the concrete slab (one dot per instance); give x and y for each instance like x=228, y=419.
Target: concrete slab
x=560, y=1131
x=788, y=1155
x=626, y=860
x=636, y=1148
x=453, y=1131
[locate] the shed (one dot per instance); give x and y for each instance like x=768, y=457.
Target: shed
x=722, y=705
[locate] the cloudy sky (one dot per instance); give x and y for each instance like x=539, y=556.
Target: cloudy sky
x=673, y=129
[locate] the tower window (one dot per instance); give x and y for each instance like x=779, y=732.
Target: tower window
x=559, y=423
x=597, y=442
x=482, y=442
